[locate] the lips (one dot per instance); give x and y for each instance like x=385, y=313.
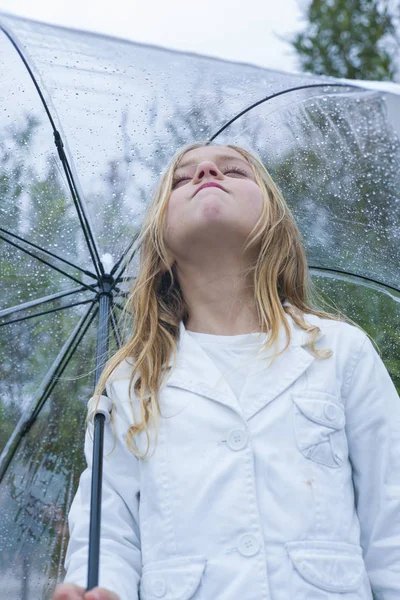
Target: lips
x=208, y=185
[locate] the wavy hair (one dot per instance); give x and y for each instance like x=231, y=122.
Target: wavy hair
x=157, y=304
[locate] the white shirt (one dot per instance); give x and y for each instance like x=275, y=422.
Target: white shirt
x=232, y=354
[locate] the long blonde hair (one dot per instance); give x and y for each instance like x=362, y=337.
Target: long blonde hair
x=280, y=273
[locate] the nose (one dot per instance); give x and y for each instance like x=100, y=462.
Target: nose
x=206, y=169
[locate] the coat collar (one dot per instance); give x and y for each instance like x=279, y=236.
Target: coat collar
x=196, y=372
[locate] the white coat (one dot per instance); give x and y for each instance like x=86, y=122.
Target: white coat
x=293, y=493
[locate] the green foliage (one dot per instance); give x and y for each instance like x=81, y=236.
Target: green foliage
x=352, y=39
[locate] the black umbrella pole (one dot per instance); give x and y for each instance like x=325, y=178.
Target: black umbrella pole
x=98, y=444
x=95, y=502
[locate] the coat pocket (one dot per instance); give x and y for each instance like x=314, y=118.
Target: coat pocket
x=174, y=578
x=330, y=566
x=319, y=421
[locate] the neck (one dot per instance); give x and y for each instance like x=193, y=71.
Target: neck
x=220, y=298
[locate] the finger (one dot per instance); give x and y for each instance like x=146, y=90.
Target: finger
x=99, y=593
x=68, y=591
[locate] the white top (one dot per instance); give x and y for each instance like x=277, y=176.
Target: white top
x=232, y=354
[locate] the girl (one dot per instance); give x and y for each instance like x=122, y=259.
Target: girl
x=253, y=451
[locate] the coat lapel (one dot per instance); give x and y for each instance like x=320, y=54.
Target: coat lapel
x=267, y=380
x=196, y=372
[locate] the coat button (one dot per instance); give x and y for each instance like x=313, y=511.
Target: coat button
x=331, y=411
x=237, y=439
x=159, y=588
x=248, y=545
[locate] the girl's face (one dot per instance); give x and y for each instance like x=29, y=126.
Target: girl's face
x=221, y=216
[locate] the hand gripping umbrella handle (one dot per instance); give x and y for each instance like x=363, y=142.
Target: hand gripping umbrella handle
x=101, y=416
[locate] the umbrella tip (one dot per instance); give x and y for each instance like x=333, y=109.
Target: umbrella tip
x=107, y=261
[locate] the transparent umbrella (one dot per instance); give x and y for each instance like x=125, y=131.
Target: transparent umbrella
x=88, y=124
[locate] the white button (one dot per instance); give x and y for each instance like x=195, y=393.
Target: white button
x=331, y=411
x=237, y=439
x=159, y=588
x=248, y=545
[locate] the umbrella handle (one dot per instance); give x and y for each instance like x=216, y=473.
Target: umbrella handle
x=101, y=416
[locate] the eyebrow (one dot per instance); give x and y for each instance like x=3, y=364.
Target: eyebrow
x=222, y=157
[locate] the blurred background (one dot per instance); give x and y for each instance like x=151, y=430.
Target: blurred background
x=356, y=39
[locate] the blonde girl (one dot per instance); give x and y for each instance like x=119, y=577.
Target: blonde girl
x=253, y=449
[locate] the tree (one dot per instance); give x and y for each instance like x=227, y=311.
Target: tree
x=352, y=39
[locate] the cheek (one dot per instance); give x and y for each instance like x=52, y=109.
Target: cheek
x=254, y=204
x=173, y=207
x=173, y=214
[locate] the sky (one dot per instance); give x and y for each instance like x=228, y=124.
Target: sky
x=239, y=30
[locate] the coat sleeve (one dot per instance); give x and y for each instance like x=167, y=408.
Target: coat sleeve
x=373, y=430
x=120, y=550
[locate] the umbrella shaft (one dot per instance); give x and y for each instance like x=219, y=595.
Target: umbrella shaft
x=98, y=442
x=102, y=335
x=95, y=504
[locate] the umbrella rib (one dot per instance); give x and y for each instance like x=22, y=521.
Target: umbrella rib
x=73, y=348
x=118, y=305
x=67, y=262
x=47, y=312
x=116, y=331
x=45, y=262
x=79, y=205
x=33, y=303
x=82, y=215
x=49, y=381
x=124, y=254
x=286, y=91
x=365, y=281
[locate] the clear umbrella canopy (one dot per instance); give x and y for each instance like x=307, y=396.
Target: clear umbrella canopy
x=88, y=124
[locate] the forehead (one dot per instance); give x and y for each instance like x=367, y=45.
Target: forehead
x=220, y=154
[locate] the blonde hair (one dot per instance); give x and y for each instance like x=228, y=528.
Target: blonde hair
x=280, y=273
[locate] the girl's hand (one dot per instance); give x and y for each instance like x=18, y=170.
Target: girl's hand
x=98, y=593
x=69, y=591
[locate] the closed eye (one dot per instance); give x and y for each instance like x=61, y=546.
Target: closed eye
x=225, y=170
x=237, y=170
